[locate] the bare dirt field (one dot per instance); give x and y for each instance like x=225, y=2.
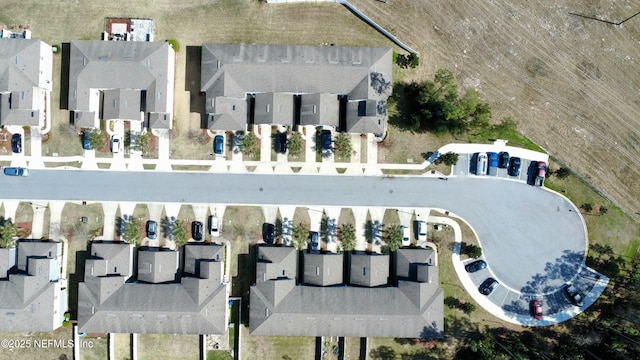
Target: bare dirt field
x=571, y=83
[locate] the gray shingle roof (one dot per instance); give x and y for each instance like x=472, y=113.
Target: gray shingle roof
x=121, y=104
x=323, y=269
x=275, y=262
x=412, y=309
x=196, y=305
x=407, y=262
x=235, y=70
x=369, y=270
x=230, y=114
x=28, y=298
x=319, y=109
x=122, y=65
x=404, y=311
x=110, y=258
x=25, y=76
x=157, y=266
x=274, y=108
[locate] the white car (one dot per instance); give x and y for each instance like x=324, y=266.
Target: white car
x=406, y=239
x=214, y=226
x=116, y=143
x=421, y=230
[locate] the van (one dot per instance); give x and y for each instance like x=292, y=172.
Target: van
x=406, y=240
x=481, y=164
x=421, y=230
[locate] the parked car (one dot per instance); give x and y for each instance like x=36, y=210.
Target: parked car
x=268, y=233
x=406, y=239
x=493, y=159
x=503, y=160
x=315, y=242
x=16, y=171
x=475, y=266
x=325, y=136
x=281, y=142
x=116, y=143
x=514, y=166
x=214, y=225
x=218, y=145
x=421, y=230
x=86, y=144
x=488, y=286
x=152, y=229
x=196, y=230
x=574, y=296
x=16, y=143
x=541, y=169
x=481, y=164
x=536, y=309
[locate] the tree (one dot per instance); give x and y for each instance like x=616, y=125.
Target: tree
x=467, y=308
x=563, y=173
x=295, y=144
x=299, y=234
x=448, y=159
x=179, y=233
x=393, y=237
x=142, y=143
x=586, y=207
x=603, y=210
x=348, y=237
x=96, y=140
x=343, y=146
x=8, y=231
x=473, y=251
x=133, y=231
x=249, y=143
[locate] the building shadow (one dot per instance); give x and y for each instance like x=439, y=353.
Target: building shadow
x=64, y=75
x=192, y=83
x=75, y=279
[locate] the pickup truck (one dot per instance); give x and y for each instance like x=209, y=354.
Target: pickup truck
x=540, y=173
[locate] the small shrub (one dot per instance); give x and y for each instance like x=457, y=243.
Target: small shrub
x=473, y=251
x=603, y=210
x=174, y=44
x=467, y=308
x=563, y=173
x=586, y=207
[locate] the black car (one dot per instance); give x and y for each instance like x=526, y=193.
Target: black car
x=196, y=230
x=574, y=295
x=476, y=266
x=281, y=142
x=152, y=229
x=514, y=166
x=503, y=160
x=16, y=143
x=268, y=233
x=488, y=286
x=325, y=135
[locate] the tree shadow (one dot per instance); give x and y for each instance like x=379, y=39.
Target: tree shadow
x=166, y=226
x=328, y=229
x=287, y=230
x=373, y=232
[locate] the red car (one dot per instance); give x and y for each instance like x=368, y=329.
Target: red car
x=542, y=169
x=536, y=306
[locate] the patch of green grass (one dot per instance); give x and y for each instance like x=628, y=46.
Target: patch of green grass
x=514, y=137
x=98, y=351
x=614, y=228
x=219, y=355
x=149, y=166
x=165, y=346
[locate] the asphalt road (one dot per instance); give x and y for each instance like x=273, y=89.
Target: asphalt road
x=533, y=240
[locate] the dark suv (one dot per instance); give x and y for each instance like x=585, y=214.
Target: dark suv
x=281, y=142
x=488, y=286
x=196, y=230
x=152, y=229
x=325, y=136
x=268, y=233
x=16, y=143
x=503, y=160
x=574, y=295
x=514, y=166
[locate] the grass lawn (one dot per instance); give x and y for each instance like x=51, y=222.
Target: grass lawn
x=62, y=336
x=164, y=346
x=276, y=347
x=614, y=228
x=122, y=346
x=99, y=350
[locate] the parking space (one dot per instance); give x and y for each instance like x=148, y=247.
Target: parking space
x=467, y=164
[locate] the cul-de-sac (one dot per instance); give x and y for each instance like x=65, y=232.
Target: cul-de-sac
x=319, y=179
